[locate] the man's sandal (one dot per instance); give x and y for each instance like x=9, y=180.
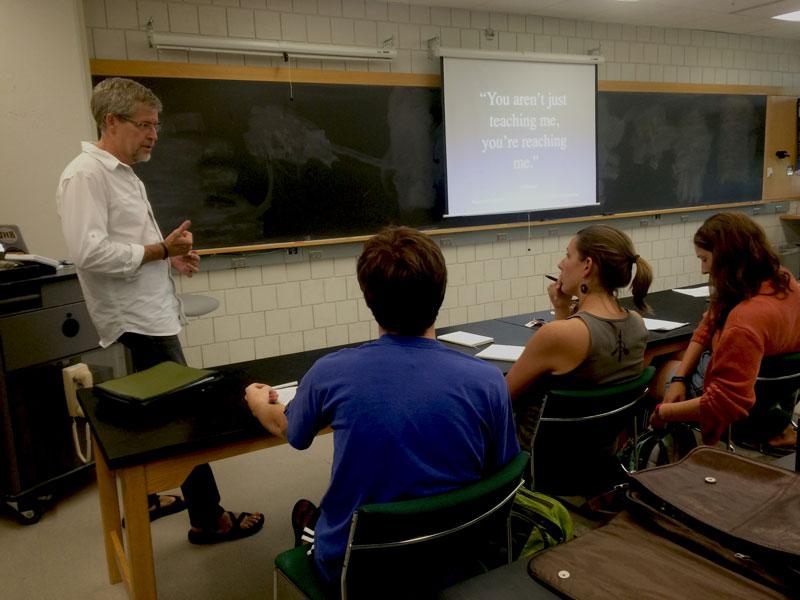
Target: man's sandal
x=164, y=510
x=159, y=510
x=236, y=532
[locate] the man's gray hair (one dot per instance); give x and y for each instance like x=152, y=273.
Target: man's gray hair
x=120, y=96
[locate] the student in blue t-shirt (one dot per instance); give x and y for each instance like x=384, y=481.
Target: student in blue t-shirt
x=410, y=416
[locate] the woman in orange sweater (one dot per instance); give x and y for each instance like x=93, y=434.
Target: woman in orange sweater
x=754, y=312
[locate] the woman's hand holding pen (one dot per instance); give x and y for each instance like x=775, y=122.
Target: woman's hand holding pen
x=561, y=302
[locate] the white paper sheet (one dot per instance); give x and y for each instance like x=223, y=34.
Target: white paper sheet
x=464, y=338
x=501, y=352
x=699, y=292
x=659, y=325
x=286, y=392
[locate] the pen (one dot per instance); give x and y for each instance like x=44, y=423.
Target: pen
x=551, y=278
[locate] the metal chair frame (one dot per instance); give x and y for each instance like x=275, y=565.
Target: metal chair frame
x=647, y=374
x=351, y=547
x=506, y=482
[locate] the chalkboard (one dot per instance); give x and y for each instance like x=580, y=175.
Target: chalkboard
x=677, y=150
x=252, y=162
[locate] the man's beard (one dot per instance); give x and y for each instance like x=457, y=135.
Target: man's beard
x=143, y=156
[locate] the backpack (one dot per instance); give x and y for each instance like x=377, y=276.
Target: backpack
x=537, y=522
x=658, y=447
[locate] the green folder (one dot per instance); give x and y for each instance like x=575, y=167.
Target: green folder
x=155, y=383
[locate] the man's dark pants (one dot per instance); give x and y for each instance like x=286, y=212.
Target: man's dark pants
x=200, y=489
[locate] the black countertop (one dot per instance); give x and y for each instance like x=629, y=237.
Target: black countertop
x=206, y=418
x=218, y=415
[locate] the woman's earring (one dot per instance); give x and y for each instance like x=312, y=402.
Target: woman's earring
x=584, y=288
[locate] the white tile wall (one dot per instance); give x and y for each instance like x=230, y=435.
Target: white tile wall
x=486, y=281
x=213, y=20
x=300, y=305
x=319, y=30
x=268, y=25
x=241, y=23
x=183, y=18
x=121, y=14
x=110, y=43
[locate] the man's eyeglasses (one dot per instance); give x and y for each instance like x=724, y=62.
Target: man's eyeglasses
x=141, y=125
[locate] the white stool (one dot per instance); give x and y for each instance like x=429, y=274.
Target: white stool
x=195, y=305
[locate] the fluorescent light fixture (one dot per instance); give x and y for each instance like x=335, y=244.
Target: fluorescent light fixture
x=517, y=56
x=792, y=16
x=201, y=43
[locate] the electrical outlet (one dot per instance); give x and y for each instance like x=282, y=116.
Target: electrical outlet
x=502, y=237
x=684, y=218
x=291, y=251
x=553, y=231
x=446, y=242
x=238, y=263
x=315, y=255
x=756, y=210
x=644, y=222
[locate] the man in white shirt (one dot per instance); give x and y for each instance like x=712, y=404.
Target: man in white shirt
x=123, y=264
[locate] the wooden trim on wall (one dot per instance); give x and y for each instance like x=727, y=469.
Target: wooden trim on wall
x=493, y=227
x=141, y=68
x=691, y=88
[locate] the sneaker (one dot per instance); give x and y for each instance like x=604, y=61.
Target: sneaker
x=304, y=518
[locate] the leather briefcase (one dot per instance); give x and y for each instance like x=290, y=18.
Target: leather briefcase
x=713, y=525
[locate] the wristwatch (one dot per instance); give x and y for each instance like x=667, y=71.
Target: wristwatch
x=679, y=379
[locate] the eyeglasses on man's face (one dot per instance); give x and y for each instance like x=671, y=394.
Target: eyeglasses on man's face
x=141, y=125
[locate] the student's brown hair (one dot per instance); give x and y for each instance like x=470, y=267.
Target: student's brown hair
x=741, y=260
x=613, y=253
x=403, y=276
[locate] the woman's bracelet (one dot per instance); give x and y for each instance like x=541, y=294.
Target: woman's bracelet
x=679, y=379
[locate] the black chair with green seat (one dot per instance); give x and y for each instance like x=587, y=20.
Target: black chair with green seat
x=776, y=391
x=580, y=434
x=414, y=548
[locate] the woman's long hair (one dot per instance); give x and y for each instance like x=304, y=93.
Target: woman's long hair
x=613, y=253
x=742, y=259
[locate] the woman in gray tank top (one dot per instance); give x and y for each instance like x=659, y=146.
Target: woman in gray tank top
x=593, y=340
